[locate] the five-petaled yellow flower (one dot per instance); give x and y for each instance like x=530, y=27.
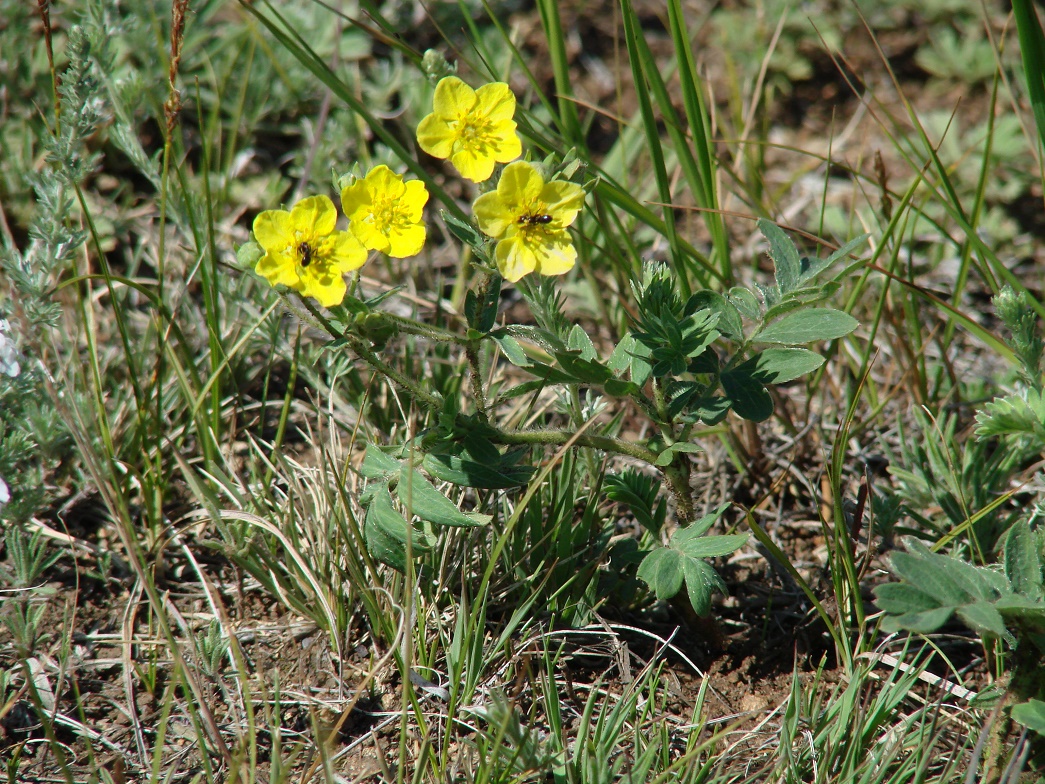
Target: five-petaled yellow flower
x=384, y=213
x=473, y=128
x=529, y=216
x=304, y=252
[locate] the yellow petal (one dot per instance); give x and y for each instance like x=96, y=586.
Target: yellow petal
x=343, y=252
x=369, y=235
x=406, y=240
x=453, y=98
x=355, y=198
x=314, y=216
x=493, y=215
x=273, y=231
x=383, y=182
x=520, y=186
x=555, y=254
x=278, y=269
x=472, y=164
x=435, y=136
x=563, y=201
x=504, y=142
x=413, y=200
x=496, y=102
x=328, y=290
x=514, y=258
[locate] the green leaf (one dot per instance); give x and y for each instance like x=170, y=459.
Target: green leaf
x=805, y=326
x=1023, y=561
x=1031, y=714
x=641, y=368
x=420, y=497
x=813, y=267
x=729, y=323
x=701, y=582
x=934, y=582
x=661, y=570
x=248, y=254
x=780, y=365
x=665, y=457
x=984, y=619
x=751, y=400
x=378, y=465
x=620, y=359
x=709, y=410
x=707, y=546
x=703, y=525
x=385, y=532
x=465, y=232
x=745, y=302
x=925, y=622
x=512, y=351
x=1018, y=414
x=578, y=340
x=901, y=598
x=639, y=493
x=782, y=250
x=462, y=468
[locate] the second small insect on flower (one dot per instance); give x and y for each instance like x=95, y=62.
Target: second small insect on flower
x=529, y=218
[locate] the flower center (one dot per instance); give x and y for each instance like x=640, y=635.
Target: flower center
x=473, y=131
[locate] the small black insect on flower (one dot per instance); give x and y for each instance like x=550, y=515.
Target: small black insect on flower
x=535, y=220
x=306, y=253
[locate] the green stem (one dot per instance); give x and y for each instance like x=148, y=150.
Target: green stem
x=476, y=375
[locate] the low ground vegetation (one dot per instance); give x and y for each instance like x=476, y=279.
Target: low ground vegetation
x=576, y=392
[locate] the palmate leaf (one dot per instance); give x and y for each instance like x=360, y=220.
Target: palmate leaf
x=937, y=587
x=682, y=561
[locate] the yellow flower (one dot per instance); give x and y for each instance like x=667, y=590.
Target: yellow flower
x=304, y=252
x=529, y=216
x=473, y=128
x=384, y=213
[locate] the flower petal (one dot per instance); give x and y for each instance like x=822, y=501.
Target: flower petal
x=563, y=201
x=355, y=198
x=473, y=164
x=555, y=254
x=406, y=240
x=496, y=102
x=435, y=136
x=370, y=235
x=514, y=258
x=383, y=182
x=314, y=216
x=342, y=252
x=328, y=289
x=493, y=215
x=503, y=142
x=520, y=186
x=278, y=268
x=413, y=201
x=273, y=230
x=453, y=98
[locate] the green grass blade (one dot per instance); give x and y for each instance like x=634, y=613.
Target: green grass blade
x=1032, y=49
